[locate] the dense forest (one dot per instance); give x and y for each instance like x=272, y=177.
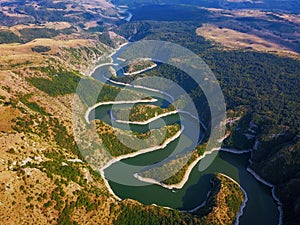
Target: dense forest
x=265, y=83
x=263, y=88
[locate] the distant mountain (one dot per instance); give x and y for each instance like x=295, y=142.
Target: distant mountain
x=286, y=5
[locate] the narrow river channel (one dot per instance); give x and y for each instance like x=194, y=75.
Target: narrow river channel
x=260, y=208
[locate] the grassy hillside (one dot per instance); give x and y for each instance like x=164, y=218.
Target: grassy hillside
x=44, y=52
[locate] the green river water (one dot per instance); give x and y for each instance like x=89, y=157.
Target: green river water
x=260, y=208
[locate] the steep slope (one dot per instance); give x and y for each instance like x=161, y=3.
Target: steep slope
x=44, y=179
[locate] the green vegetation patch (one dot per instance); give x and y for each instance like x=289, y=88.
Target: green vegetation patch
x=7, y=37
x=116, y=148
x=178, y=166
x=224, y=201
x=60, y=82
x=138, y=66
x=32, y=105
x=29, y=34
x=177, y=177
x=134, y=214
x=49, y=128
x=142, y=112
x=41, y=48
x=105, y=38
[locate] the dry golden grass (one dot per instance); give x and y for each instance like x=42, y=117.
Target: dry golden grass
x=57, y=25
x=16, y=61
x=13, y=199
x=139, y=64
x=100, y=216
x=294, y=18
x=7, y=115
x=104, y=4
x=238, y=40
x=221, y=212
x=14, y=14
x=14, y=49
x=50, y=25
x=15, y=55
x=90, y=24
x=248, y=13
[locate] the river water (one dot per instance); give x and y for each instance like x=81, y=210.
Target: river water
x=260, y=208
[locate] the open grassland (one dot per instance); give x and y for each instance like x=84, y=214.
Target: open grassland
x=237, y=40
x=263, y=31
x=12, y=54
x=39, y=183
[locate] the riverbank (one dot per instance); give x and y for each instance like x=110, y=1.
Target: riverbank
x=147, y=121
x=124, y=9
x=134, y=154
x=279, y=204
x=141, y=87
x=109, y=57
x=189, y=170
x=157, y=91
x=87, y=113
x=243, y=205
x=241, y=211
x=141, y=71
x=194, y=117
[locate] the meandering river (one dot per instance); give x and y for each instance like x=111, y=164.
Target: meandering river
x=260, y=208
